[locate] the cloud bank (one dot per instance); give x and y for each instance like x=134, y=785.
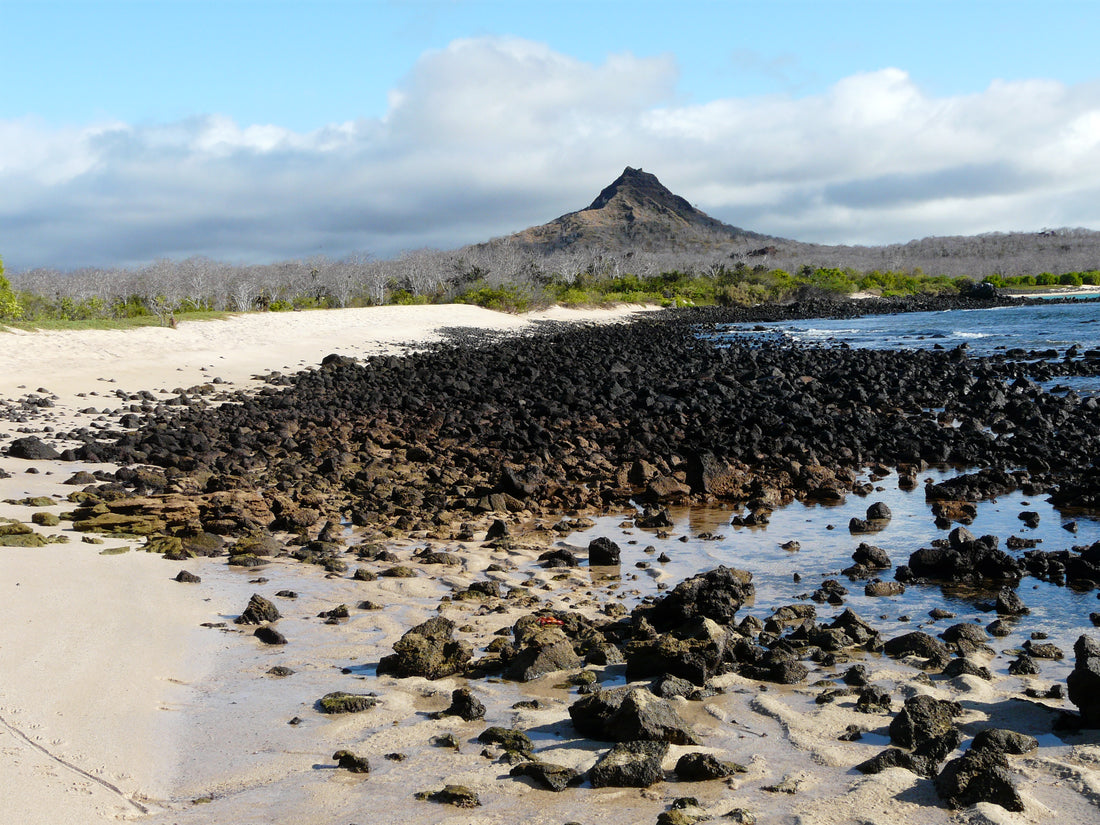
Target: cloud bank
x=492, y=135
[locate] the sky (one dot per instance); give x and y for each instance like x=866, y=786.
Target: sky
x=259, y=131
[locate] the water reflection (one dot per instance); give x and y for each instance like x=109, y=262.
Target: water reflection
x=825, y=550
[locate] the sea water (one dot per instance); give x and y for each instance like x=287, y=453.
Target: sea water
x=702, y=538
x=984, y=331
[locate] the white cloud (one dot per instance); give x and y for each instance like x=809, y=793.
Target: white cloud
x=491, y=135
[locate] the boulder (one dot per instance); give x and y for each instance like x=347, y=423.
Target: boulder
x=340, y=702
x=716, y=594
x=548, y=775
x=872, y=557
x=879, y=588
x=923, y=718
x=666, y=489
x=1004, y=741
x=269, y=635
x=629, y=714
x=258, y=611
x=1084, y=681
x=695, y=652
x=967, y=667
x=874, y=699
x=1009, y=603
x=350, y=762
x=32, y=448
x=559, y=557
x=700, y=767
x=603, y=552
x=706, y=473
x=966, y=632
x=629, y=765
x=920, y=644
x=428, y=650
x=202, y=544
x=966, y=558
x=457, y=795
x=508, y=738
x=671, y=687
x=879, y=512
x=464, y=705
x=545, y=650
x=979, y=775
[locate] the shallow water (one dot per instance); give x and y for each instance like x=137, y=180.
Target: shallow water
x=1060, y=612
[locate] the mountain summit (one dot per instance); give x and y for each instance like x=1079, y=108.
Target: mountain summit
x=638, y=190
x=635, y=211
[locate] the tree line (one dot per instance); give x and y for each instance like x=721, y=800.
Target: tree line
x=508, y=276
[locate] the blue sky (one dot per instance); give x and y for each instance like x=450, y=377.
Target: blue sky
x=255, y=131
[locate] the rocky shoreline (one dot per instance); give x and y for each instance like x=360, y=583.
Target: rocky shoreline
x=502, y=445
x=575, y=419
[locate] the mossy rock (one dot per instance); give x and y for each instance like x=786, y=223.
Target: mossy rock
x=58, y=539
x=257, y=544
x=507, y=738
x=246, y=560
x=33, y=501
x=14, y=528
x=334, y=566
x=458, y=795
x=350, y=762
x=164, y=545
x=45, y=519
x=91, y=540
x=28, y=539
x=399, y=571
x=115, y=551
x=203, y=544
x=119, y=524
x=341, y=702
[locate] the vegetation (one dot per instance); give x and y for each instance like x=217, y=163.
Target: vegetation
x=1045, y=280
x=10, y=308
x=498, y=277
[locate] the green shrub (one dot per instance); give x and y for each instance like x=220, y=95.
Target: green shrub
x=504, y=298
x=402, y=297
x=10, y=308
x=131, y=307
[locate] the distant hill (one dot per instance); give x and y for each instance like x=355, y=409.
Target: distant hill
x=635, y=211
x=636, y=217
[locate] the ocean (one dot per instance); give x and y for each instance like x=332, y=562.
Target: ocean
x=983, y=331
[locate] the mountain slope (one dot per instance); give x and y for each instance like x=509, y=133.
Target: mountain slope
x=637, y=212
